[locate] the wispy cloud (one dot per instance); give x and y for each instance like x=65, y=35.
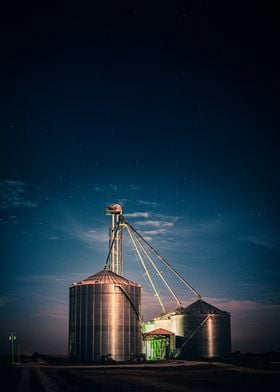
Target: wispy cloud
x=43, y=278
x=163, y=217
x=133, y=187
x=167, y=220
x=46, y=297
x=266, y=240
x=154, y=223
x=151, y=204
x=55, y=311
x=13, y=194
x=114, y=187
x=153, y=227
x=49, y=278
x=87, y=235
x=138, y=215
x=75, y=229
x=154, y=232
x=147, y=238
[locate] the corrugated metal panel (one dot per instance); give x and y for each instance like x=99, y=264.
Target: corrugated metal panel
x=104, y=318
x=212, y=337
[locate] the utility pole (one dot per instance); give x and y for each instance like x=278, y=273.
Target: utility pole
x=12, y=339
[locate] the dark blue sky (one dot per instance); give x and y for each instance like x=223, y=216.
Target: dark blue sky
x=173, y=113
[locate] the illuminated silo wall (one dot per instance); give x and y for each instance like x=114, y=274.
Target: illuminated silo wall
x=212, y=337
x=104, y=318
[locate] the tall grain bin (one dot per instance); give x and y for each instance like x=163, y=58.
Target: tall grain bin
x=104, y=319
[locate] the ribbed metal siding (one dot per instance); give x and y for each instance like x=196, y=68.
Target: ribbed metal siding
x=103, y=321
x=213, y=338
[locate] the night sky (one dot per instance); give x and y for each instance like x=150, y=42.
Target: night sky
x=171, y=112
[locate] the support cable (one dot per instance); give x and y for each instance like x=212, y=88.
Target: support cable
x=158, y=272
x=139, y=264
x=165, y=263
x=146, y=270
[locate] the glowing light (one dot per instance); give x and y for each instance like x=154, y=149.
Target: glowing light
x=210, y=336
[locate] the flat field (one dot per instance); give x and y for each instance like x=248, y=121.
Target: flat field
x=165, y=376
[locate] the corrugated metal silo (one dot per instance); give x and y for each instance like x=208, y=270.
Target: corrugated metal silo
x=104, y=319
x=201, y=329
x=206, y=329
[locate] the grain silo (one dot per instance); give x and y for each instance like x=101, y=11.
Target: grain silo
x=201, y=329
x=105, y=308
x=104, y=321
x=207, y=331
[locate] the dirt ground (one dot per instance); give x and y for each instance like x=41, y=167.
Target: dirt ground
x=164, y=377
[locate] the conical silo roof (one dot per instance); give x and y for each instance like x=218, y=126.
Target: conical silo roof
x=196, y=308
x=107, y=276
x=201, y=307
